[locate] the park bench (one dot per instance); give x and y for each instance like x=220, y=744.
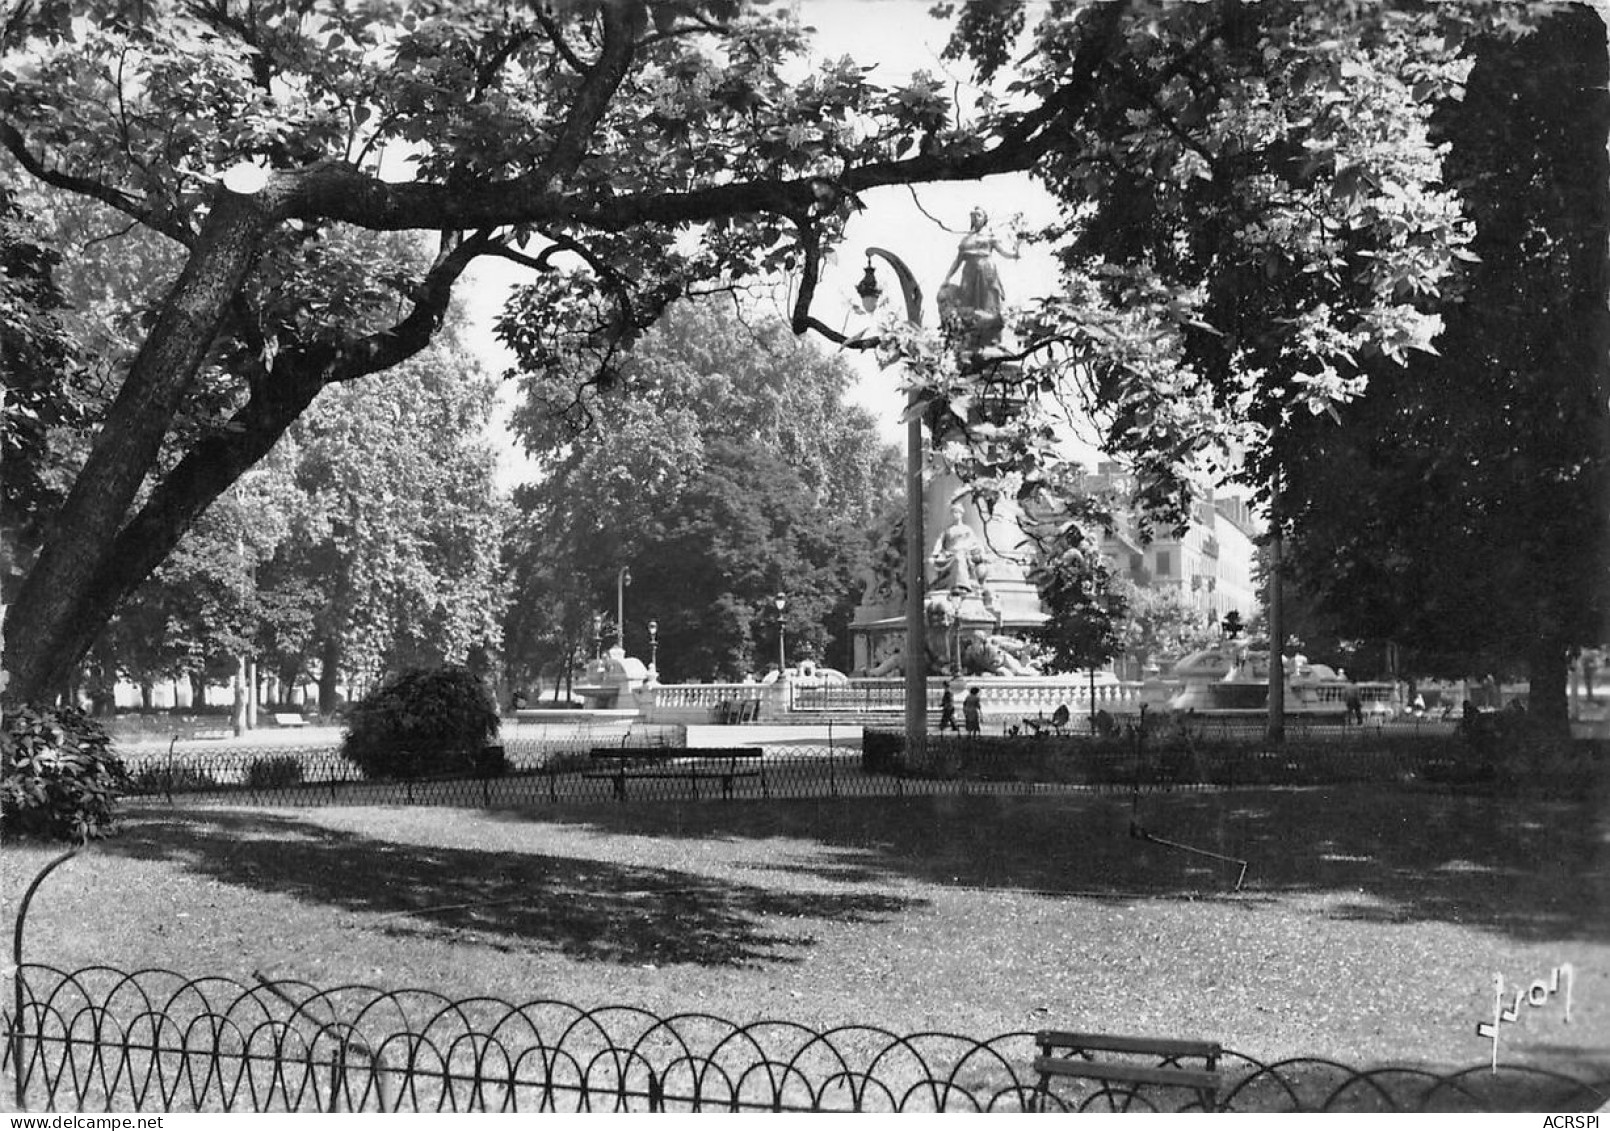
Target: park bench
x=732, y=711
x=1095, y=1056
x=692, y=764
x=289, y=719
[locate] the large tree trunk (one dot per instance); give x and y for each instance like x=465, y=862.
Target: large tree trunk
x=329, y=674
x=64, y=601
x=1548, y=702
x=95, y=555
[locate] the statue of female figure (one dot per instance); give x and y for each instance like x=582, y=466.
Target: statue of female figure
x=957, y=554
x=979, y=295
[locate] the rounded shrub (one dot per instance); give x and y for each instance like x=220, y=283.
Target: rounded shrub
x=163, y=778
x=422, y=722
x=58, y=776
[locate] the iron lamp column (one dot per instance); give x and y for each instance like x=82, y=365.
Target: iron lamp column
x=653, y=645
x=916, y=655
x=622, y=580
x=781, y=601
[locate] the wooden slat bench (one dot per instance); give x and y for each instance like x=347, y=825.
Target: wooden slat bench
x=693, y=764
x=730, y=712
x=283, y=719
x=1075, y=1056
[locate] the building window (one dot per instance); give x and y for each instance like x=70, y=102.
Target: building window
x=1165, y=567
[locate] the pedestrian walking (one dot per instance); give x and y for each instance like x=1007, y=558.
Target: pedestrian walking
x=947, y=710
x=970, y=710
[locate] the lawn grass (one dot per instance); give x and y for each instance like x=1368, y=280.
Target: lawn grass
x=1368, y=929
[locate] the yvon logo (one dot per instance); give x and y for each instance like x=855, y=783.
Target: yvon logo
x=1535, y=996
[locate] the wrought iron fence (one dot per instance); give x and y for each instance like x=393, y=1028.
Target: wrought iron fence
x=1214, y=755
x=155, y=1040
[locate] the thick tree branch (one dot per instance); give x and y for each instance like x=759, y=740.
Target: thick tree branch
x=17, y=145
x=623, y=20
x=556, y=36
x=381, y=351
x=337, y=191
x=810, y=242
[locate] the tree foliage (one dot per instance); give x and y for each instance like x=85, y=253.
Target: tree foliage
x=1459, y=509
x=722, y=468
x=38, y=357
x=366, y=543
x=393, y=543
x=633, y=153
x=627, y=152
x=1253, y=209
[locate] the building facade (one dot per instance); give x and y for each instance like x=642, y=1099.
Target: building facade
x=1212, y=564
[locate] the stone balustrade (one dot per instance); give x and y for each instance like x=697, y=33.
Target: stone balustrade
x=702, y=702
x=1004, y=699
x=706, y=695
x=1000, y=696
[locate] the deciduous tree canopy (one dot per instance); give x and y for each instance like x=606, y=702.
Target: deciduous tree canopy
x=723, y=467
x=631, y=153
x=1461, y=507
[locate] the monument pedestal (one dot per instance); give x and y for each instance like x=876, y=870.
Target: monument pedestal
x=985, y=625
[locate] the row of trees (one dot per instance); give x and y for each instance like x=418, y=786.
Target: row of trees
x=1260, y=221
x=368, y=542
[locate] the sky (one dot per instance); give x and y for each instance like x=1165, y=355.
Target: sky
x=920, y=226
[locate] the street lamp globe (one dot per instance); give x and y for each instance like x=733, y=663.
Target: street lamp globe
x=868, y=288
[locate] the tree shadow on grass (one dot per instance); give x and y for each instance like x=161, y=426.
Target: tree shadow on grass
x=587, y=909
x=1531, y=868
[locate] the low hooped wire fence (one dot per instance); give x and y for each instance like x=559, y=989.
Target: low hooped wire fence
x=657, y=766
x=154, y=1040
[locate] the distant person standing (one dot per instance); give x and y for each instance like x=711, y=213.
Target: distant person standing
x=971, y=708
x=1355, y=707
x=947, y=710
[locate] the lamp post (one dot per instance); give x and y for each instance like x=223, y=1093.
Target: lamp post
x=653, y=646
x=1275, y=729
x=622, y=580
x=781, y=601
x=916, y=657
